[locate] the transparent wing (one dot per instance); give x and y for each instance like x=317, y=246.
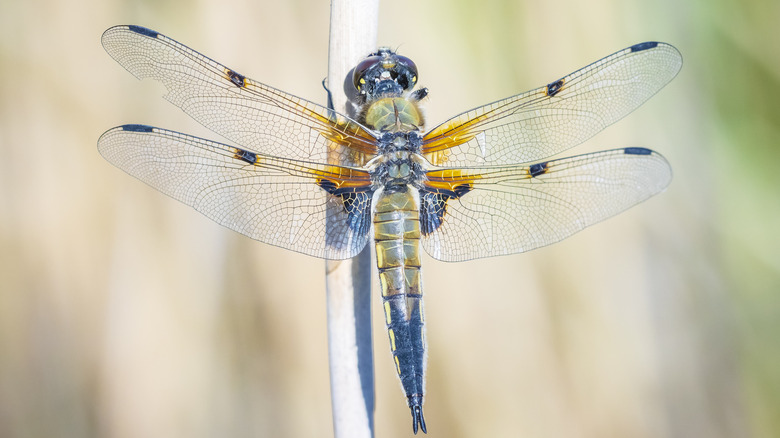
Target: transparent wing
x=550, y=119
x=253, y=115
x=474, y=213
x=281, y=202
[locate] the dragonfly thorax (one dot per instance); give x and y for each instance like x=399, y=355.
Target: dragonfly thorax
x=393, y=114
x=409, y=141
x=397, y=168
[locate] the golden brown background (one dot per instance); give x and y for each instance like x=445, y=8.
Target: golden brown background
x=126, y=314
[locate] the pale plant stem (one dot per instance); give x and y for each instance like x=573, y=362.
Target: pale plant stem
x=353, y=35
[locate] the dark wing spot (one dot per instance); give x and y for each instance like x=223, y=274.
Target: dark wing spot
x=637, y=151
x=328, y=185
x=333, y=188
x=358, y=208
x=143, y=31
x=538, y=169
x=238, y=79
x=137, y=128
x=462, y=190
x=356, y=202
x=554, y=87
x=433, y=207
x=249, y=157
x=643, y=46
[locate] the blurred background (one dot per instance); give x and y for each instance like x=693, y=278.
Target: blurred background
x=126, y=314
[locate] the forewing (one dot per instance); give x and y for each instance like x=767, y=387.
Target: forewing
x=473, y=213
x=282, y=202
x=245, y=111
x=550, y=119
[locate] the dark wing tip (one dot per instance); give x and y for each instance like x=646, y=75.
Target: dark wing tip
x=672, y=65
x=644, y=46
x=637, y=151
x=418, y=420
x=121, y=128
x=143, y=31
x=137, y=128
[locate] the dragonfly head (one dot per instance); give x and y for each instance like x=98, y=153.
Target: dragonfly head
x=384, y=73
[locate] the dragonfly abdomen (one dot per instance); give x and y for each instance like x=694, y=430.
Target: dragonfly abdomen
x=397, y=241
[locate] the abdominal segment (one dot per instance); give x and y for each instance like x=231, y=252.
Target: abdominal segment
x=397, y=240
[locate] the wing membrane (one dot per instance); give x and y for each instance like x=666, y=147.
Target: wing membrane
x=550, y=119
x=253, y=115
x=277, y=201
x=513, y=209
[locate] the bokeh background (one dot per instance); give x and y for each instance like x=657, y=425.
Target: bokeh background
x=126, y=314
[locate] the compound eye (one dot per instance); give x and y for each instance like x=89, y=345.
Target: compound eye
x=410, y=65
x=359, y=73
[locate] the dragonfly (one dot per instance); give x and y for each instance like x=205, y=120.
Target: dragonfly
x=306, y=178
